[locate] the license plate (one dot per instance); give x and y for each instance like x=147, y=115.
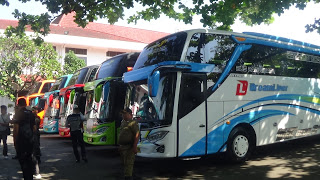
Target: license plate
x=62, y=133
x=46, y=129
x=89, y=139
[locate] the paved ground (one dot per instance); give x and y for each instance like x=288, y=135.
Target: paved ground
x=295, y=160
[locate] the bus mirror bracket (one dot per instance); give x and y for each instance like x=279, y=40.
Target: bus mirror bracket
x=154, y=77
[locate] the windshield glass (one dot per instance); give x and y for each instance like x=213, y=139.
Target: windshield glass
x=35, y=88
x=53, y=110
x=56, y=85
x=153, y=111
x=78, y=77
x=63, y=82
x=89, y=109
x=41, y=103
x=166, y=49
x=109, y=68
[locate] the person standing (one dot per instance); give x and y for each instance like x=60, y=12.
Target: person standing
x=75, y=123
x=23, y=131
x=128, y=140
x=4, y=132
x=36, y=146
x=13, y=122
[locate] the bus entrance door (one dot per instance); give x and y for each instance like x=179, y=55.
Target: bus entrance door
x=192, y=115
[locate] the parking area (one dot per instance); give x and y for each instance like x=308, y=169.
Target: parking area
x=289, y=160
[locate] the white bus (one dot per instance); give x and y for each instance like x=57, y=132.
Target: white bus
x=216, y=91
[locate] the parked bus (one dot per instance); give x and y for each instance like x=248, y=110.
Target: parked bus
x=52, y=105
x=33, y=98
x=215, y=91
x=105, y=98
x=70, y=94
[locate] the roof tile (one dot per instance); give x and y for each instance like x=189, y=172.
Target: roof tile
x=65, y=25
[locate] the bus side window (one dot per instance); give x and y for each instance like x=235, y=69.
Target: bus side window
x=195, y=52
x=191, y=93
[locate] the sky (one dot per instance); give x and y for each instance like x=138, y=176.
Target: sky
x=291, y=24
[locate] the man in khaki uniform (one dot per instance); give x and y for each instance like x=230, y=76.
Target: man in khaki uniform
x=128, y=140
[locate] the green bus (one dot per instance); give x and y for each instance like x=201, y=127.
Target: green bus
x=105, y=98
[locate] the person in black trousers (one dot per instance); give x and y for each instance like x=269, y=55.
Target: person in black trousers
x=75, y=123
x=24, y=130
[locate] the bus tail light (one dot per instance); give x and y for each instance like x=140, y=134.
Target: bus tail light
x=67, y=95
x=50, y=100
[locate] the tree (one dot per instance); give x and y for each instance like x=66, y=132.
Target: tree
x=215, y=13
x=72, y=63
x=22, y=62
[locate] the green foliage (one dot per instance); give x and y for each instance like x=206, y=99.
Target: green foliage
x=72, y=63
x=20, y=56
x=215, y=13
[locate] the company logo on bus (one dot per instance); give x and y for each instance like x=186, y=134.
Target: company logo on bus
x=242, y=87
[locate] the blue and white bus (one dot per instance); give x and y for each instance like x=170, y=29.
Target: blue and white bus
x=200, y=92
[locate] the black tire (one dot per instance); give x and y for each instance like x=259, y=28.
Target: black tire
x=240, y=145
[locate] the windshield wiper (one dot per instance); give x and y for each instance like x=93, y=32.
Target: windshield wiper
x=95, y=110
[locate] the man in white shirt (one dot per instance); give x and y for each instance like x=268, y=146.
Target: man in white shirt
x=4, y=125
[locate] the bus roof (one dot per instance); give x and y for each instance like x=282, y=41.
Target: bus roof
x=260, y=36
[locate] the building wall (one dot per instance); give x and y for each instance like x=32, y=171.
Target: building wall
x=96, y=48
x=96, y=56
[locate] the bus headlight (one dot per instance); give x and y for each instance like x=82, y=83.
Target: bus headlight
x=154, y=137
x=101, y=130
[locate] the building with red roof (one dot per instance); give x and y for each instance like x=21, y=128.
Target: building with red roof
x=94, y=43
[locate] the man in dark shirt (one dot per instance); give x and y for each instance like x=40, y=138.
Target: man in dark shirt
x=36, y=146
x=24, y=130
x=75, y=123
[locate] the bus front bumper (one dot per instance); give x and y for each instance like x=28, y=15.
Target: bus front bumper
x=51, y=126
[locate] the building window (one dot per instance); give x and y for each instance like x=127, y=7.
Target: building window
x=80, y=53
x=77, y=51
x=113, y=53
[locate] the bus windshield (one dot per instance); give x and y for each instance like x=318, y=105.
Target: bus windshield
x=109, y=68
x=78, y=77
x=59, y=84
x=153, y=111
x=166, y=49
x=53, y=110
x=35, y=88
x=90, y=111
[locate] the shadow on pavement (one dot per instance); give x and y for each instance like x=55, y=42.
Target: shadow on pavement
x=287, y=160
x=299, y=159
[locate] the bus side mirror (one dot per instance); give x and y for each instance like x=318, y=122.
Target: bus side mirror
x=72, y=93
x=153, y=83
x=36, y=101
x=97, y=93
x=106, y=91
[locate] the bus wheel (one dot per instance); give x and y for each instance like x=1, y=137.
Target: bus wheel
x=239, y=145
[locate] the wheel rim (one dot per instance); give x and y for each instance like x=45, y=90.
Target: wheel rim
x=240, y=145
